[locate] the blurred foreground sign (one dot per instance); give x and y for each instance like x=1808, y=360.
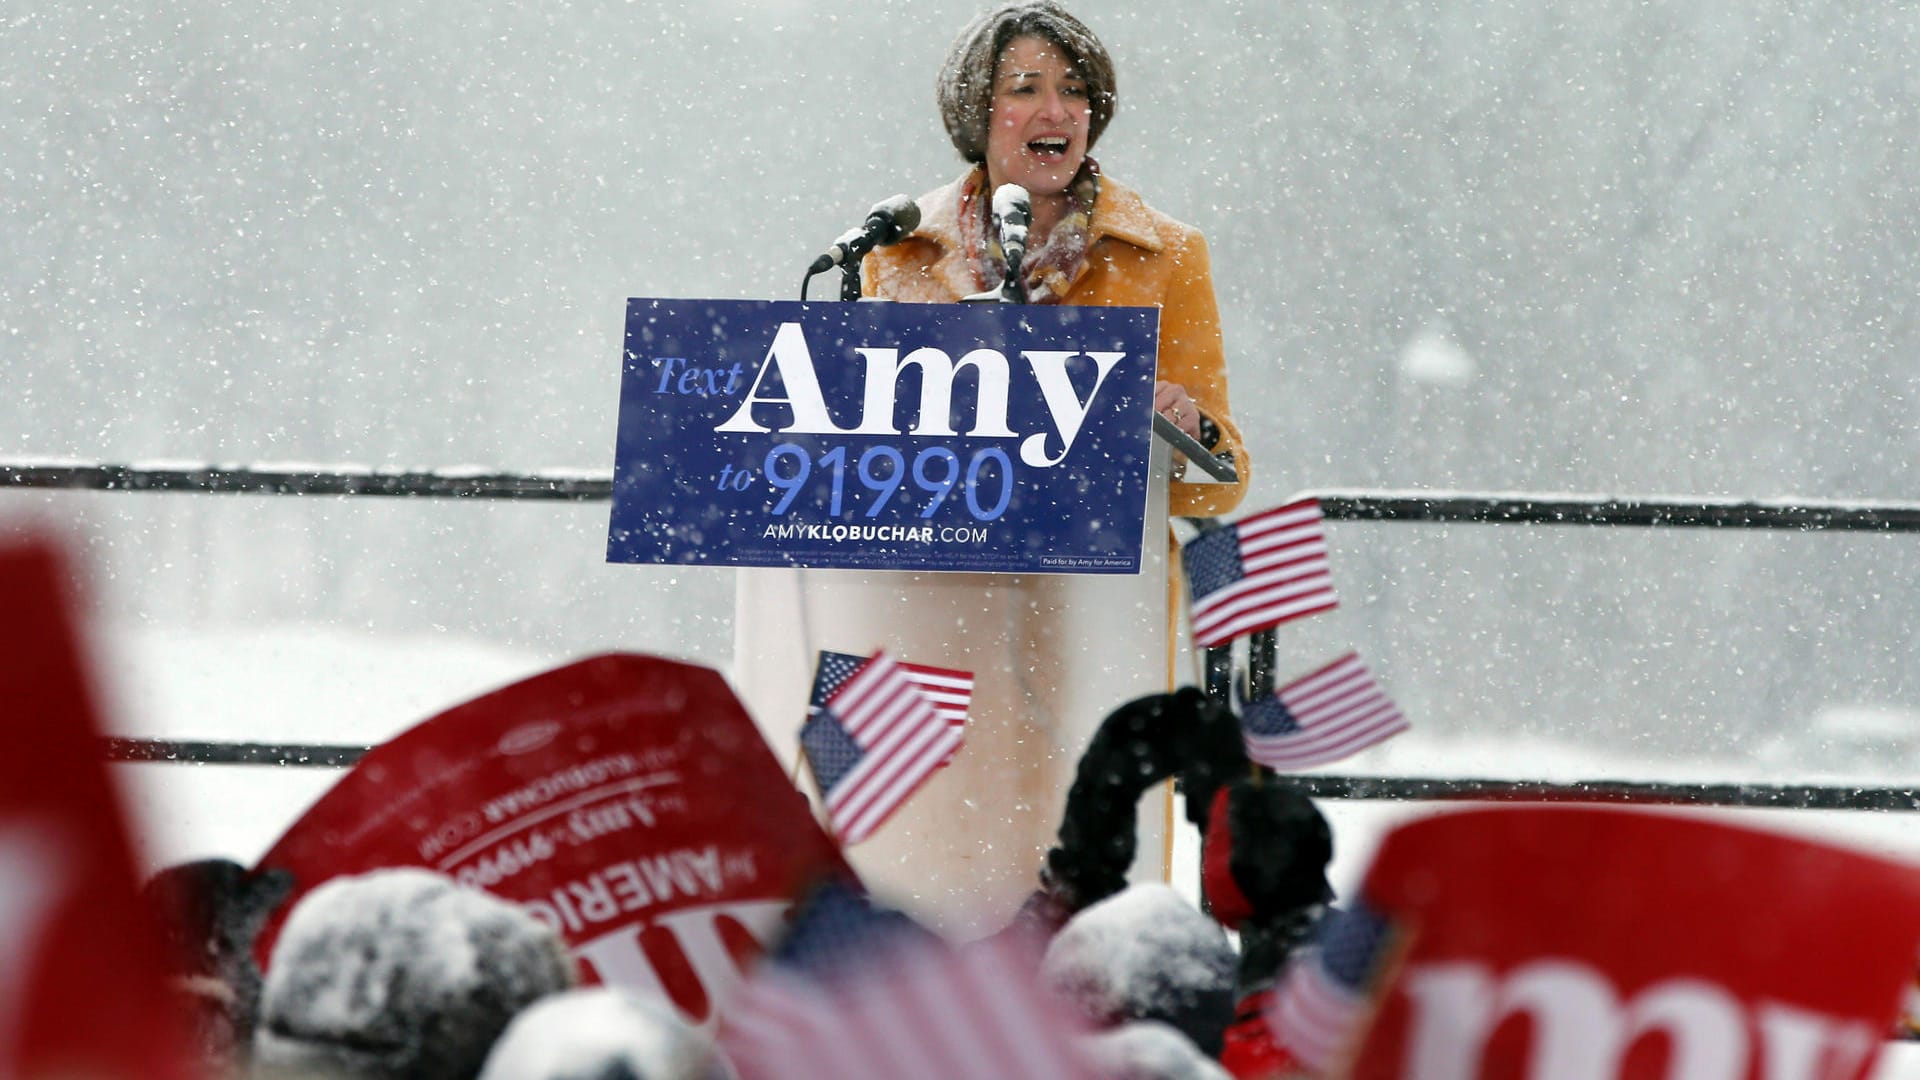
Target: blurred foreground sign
x=972, y=437
x=626, y=801
x=81, y=990
x=1589, y=944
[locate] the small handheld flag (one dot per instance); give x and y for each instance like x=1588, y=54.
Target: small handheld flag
x=1324, y=1001
x=873, y=739
x=853, y=994
x=1333, y=713
x=1268, y=569
x=950, y=691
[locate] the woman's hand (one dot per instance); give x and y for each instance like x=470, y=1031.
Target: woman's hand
x=1171, y=401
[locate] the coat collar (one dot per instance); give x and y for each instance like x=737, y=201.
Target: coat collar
x=1118, y=213
x=1123, y=215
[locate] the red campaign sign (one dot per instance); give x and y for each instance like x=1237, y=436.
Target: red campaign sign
x=626, y=801
x=81, y=979
x=1588, y=944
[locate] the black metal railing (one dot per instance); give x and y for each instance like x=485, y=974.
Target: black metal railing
x=196, y=752
x=565, y=485
x=1800, y=515
x=1397, y=788
x=580, y=485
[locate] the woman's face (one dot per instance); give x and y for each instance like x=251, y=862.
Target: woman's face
x=1037, y=129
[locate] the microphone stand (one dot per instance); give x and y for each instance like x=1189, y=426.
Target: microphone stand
x=849, y=281
x=890, y=221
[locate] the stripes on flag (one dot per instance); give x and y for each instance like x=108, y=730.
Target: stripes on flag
x=918, y=1009
x=950, y=691
x=1257, y=573
x=873, y=739
x=1325, y=998
x=1333, y=713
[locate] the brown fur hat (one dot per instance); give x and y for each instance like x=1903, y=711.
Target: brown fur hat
x=965, y=89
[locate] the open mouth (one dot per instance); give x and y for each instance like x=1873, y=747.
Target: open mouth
x=1050, y=148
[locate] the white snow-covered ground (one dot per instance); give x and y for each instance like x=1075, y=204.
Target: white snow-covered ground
x=316, y=685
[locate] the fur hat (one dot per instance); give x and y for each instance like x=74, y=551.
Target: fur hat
x=965, y=89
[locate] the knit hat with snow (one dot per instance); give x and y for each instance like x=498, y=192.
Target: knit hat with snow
x=965, y=89
x=1146, y=954
x=401, y=974
x=600, y=1033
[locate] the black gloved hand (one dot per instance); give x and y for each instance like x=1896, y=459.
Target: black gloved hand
x=1272, y=883
x=1281, y=847
x=1216, y=755
x=1137, y=746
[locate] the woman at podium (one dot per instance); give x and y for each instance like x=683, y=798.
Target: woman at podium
x=1025, y=93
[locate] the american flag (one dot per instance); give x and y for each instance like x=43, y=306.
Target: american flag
x=873, y=739
x=950, y=691
x=1258, y=573
x=1330, y=714
x=1325, y=1000
x=850, y=997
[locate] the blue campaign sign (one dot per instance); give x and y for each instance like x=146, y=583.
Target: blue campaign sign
x=881, y=436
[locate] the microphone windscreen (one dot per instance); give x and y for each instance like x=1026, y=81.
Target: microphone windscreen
x=903, y=212
x=1011, y=199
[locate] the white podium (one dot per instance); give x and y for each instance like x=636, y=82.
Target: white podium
x=1051, y=654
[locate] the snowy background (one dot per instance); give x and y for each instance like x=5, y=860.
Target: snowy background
x=1660, y=248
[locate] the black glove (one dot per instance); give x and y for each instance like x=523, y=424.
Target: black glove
x=1137, y=746
x=1277, y=848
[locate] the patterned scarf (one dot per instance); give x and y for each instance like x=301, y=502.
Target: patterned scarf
x=1048, y=270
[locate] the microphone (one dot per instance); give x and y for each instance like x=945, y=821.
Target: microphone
x=889, y=222
x=1013, y=212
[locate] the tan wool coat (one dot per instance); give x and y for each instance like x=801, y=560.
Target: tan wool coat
x=1136, y=257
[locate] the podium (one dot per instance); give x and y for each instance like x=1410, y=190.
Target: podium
x=1051, y=654
x=909, y=478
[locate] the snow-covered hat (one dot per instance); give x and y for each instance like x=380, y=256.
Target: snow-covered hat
x=1149, y=1050
x=599, y=1033
x=1146, y=954
x=401, y=974
x=965, y=89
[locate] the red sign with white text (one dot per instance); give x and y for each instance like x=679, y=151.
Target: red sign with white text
x=1588, y=944
x=627, y=801
x=81, y=976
